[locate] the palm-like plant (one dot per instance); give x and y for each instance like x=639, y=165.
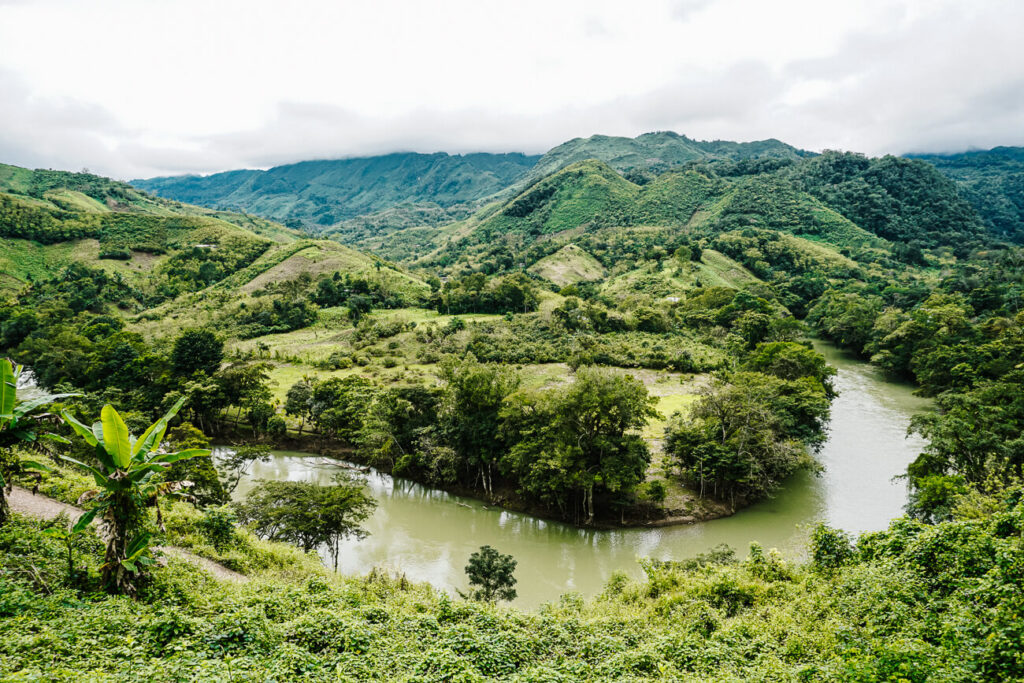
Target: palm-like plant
x=19, y=425
x=124, y=471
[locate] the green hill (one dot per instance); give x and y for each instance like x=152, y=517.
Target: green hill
x=661, y=149
x=322, y=193
x=992, y=181
x=899, y=199
x=162, y=248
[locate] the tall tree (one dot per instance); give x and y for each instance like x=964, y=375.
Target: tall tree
x=469, y=413
x=197, y=350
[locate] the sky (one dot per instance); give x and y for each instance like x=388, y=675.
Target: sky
x=137, y=88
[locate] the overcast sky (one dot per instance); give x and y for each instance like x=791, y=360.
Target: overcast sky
x=138, y=88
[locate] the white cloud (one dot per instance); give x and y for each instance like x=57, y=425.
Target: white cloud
x=134, y=88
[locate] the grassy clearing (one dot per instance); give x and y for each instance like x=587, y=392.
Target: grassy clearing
x=671, y=279
x=568, y=265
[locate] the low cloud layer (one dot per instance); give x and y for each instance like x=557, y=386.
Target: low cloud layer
x=175, y=88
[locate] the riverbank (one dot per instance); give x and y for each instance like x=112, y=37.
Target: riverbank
x=428, y=533
x=686, y=506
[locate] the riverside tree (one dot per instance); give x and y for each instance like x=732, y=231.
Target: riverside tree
x=308, y=514
x=491, y=575
x=747, y=433
x=581, y=440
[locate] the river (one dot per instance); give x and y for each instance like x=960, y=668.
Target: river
x=429, y=534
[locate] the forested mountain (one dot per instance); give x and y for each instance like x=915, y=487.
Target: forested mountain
x=993, y=182
x=322, y=193
x=661, y=150
x=846, y=202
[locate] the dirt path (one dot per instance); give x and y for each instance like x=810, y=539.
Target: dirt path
x=42, y=507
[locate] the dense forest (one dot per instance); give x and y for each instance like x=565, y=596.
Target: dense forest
x=604, y=344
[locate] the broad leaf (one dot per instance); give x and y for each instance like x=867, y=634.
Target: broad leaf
x=79, y=428
x=138, y=545
x=116, y=438
x=86, y=519
x=145, y=442
x=181, y=455
x=8, y=387
x=100, y=478
x=174, y=410
x=37, y=466
x=25, y=407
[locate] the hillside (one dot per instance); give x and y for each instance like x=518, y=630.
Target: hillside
x=992, y=181
x=622, y=224
x=903, y=200
x=52, y=219
x=173, y=256
x=322, y=193
x=662, y=149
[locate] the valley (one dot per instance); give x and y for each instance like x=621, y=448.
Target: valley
x=673, y=379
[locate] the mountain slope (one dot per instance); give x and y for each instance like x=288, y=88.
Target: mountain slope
x=162, y=248
x=662, y=149
x=899, y=199
x=321, y=193
x=992, y=181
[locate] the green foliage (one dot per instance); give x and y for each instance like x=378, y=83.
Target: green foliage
x=747, y=433
x=914, y=601
x=197, y=350
x=469, y=413
x=574, y=444
x=491, y=574
x=218, y=525
x=322, y=193
x=123, y=471
x=830, y=548
x=898, y=199
x=991, y=182
x=20, y=424
x=476, y=294
x=308, y=514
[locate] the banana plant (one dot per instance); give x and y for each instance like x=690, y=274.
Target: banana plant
x=123, y=472
x=19, y=426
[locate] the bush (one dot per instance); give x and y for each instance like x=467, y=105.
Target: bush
x=276, y=426
x=830, y=548
x=218, y=525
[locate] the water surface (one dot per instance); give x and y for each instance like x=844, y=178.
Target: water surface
x=429, y=534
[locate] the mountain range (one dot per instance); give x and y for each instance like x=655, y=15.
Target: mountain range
x=363, y=200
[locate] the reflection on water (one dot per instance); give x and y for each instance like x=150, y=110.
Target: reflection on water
x=429, y=534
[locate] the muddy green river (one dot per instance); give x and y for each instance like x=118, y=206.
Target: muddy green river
x=429, y=534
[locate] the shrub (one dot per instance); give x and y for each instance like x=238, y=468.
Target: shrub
x=218, y=525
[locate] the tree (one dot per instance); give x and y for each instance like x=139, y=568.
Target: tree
x=124, y=472
x=197, y=350
x=339, y=406
x=492, y=575
x=974, y=440
x=579, y=440
x=791, y=360
x=245, y=385
x=469, y=411
x=18, y=425
x=236, y=463
x=206, y=488
x=308, y=514
x=299, y=399
x=747, y=433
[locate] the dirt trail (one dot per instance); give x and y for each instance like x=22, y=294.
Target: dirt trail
x=42, y=507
